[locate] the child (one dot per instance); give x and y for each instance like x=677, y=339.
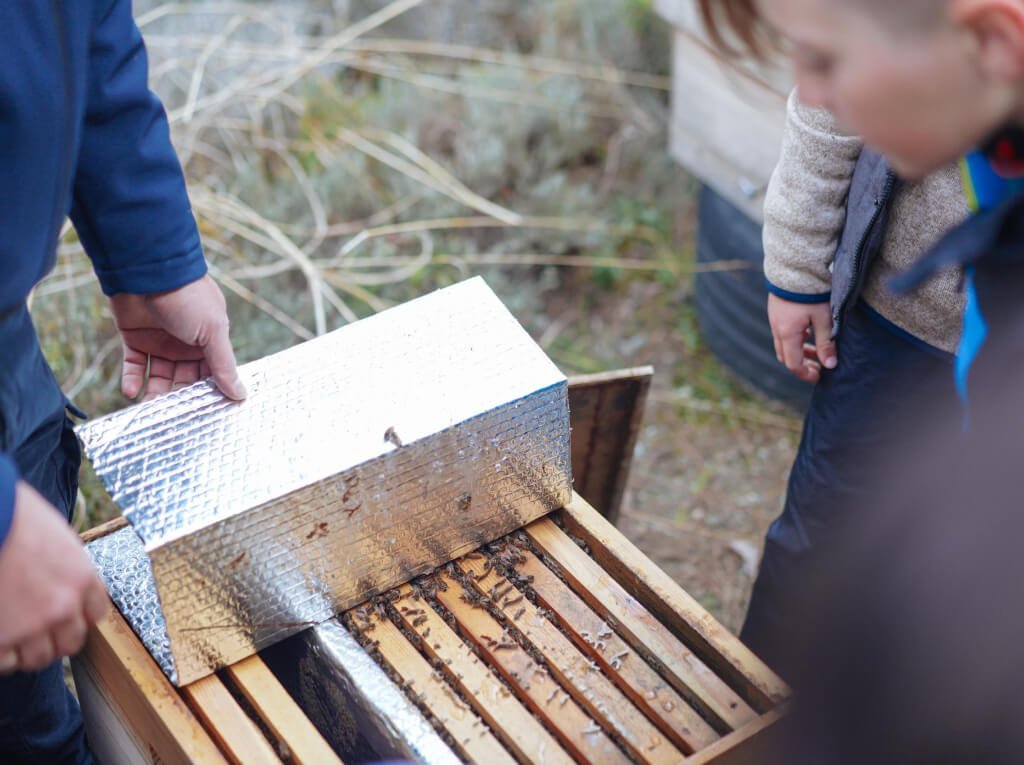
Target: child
x=924, y=82
x=837, y=227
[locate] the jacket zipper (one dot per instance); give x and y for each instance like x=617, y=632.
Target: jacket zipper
x=65, y=168
x=858, y=254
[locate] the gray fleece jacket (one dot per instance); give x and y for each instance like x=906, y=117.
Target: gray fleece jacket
x=804, y=214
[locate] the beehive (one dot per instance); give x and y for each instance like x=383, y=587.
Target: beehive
x=560, y=642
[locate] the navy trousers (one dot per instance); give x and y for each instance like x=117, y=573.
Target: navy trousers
x=40, y=721
x=884, y=384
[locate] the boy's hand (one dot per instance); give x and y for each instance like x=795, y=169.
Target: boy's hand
x=181, y=334
x=792, y=325
x=49, y=591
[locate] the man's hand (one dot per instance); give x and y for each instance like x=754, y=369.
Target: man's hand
x=792, y=325
x=49, y=591
x=181, y=334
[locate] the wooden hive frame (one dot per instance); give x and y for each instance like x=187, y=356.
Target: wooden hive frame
x=559, y=643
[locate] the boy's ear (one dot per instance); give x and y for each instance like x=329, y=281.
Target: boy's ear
x=998, y=30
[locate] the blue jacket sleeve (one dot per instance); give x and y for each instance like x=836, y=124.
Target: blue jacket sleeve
x=8, y=478
x=130, y=207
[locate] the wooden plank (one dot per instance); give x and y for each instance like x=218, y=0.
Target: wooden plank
x=726, y=128
x=574, y=728
x=574, y=669
x=143, y=700
x=110, y=739
x=108, y=527
x=280, y=713
x=237, y=735
x=688, y=674
x=641, y=683
x=471, y=738
x=715, y=645
x=605, y=413
x=510, y=721
x=750, y=745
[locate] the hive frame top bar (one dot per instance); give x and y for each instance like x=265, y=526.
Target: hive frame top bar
x=192, y=458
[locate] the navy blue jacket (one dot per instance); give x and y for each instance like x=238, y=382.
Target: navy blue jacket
x=82, y=135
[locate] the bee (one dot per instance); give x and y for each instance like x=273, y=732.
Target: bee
x=392, y=437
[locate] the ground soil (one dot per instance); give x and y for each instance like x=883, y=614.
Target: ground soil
x=712, y=460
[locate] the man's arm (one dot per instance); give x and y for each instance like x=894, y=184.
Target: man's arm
x=130, y=207
x=132, y=213
x=804, y=212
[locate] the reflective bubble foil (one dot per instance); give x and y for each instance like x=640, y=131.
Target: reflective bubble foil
x=123, y=566
x=381, y=710
x=360, y=459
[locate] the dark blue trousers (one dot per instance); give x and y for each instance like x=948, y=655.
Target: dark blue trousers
x=858, y=417
x=40, y=721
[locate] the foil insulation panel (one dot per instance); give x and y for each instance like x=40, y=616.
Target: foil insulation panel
x=360, y=459
x=378, y=708
x=123, y=565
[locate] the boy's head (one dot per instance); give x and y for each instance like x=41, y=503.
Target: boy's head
x=921, y=80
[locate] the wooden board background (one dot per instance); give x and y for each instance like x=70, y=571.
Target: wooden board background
x=727, y=112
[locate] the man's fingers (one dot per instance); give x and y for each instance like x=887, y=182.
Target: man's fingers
x=133, y=372
x=8, y=660
x=161, y=376
x=221, y=360
x=69, y=635
x=823, y=340
x=96, y=602
x=185, y=373
x=36, y=652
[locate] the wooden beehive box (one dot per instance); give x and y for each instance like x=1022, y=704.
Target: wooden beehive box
x=560, y=642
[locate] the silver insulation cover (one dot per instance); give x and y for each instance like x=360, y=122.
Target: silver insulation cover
x=380, y=709
x=361, y=459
